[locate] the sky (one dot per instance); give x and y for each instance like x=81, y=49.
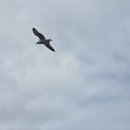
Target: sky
x=85, y=84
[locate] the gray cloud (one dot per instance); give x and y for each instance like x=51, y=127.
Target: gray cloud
x=85, y=84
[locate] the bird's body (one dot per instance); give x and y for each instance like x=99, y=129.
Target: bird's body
x=43, y=40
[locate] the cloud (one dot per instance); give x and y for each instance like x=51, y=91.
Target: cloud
x=85, y=84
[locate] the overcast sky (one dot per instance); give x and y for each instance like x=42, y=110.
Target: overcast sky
x=85, y=84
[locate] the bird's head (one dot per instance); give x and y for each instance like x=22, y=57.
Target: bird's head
x=36, y=43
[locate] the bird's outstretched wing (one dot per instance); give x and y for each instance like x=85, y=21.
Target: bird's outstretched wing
x=41, y=37
x=50, y=47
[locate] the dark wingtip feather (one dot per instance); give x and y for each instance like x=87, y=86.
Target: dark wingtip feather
x=53, y=50
x=33, y=29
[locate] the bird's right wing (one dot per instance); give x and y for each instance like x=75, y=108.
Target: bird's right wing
x=41, y=37
x=50, y=47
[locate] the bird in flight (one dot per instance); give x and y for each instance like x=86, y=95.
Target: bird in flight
x=43, y=40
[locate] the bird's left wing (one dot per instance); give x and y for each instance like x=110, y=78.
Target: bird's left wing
x=41, y=37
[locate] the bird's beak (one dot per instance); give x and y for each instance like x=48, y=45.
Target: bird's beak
x=36, y=44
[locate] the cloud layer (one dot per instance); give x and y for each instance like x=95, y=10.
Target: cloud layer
x=84, y=84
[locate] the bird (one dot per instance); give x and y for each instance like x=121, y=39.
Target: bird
x=42, y=39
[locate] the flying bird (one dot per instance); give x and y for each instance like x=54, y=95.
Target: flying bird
x=43, y=40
